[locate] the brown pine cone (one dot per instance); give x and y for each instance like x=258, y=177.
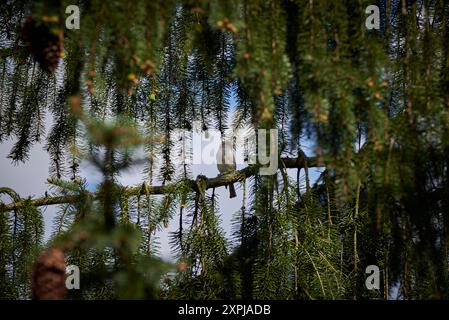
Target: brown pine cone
x=45, y=46
x=49, y=275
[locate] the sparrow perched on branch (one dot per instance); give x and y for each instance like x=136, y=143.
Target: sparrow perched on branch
x=226, y=162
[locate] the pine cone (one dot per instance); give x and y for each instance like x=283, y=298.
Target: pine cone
x=49, y=275
x=44, y=45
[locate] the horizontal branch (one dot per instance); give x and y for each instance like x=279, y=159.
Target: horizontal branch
x=218, y=181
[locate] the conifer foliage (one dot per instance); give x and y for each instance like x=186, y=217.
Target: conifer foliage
x=366, y=109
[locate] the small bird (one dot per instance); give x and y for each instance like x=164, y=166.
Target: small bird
x=226, y=162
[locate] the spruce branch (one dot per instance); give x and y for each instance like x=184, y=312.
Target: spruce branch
x=219, y=181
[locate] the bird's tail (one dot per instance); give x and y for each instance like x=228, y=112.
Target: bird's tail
x=232, y=193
